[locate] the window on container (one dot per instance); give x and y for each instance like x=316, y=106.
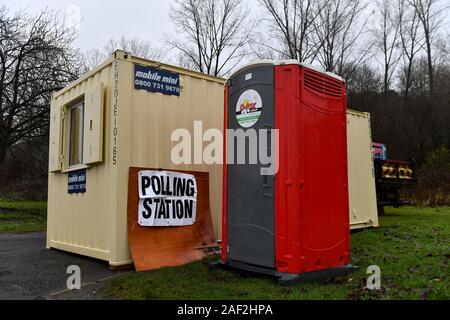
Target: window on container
x=75, y=124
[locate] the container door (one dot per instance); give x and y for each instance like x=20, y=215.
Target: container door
x=251, y=195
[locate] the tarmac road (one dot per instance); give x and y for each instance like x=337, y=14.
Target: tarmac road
x=29, y=271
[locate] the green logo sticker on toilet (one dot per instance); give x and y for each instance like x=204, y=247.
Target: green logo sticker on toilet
x=248, y=108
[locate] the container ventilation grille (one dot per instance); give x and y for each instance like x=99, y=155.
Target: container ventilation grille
x=322, y=84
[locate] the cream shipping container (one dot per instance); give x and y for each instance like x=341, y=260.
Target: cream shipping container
x=120, y=115
x=361, y=176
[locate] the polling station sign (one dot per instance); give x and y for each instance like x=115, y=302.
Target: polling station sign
x=166, y=199
x=156, y=80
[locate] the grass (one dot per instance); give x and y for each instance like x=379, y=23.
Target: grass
x=22, y=216
x=412, y=248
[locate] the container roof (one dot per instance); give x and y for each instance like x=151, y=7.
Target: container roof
x=119, y=54
x=358, y=113
x=176, y=69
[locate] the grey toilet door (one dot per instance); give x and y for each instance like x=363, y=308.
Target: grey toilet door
x=251, y=211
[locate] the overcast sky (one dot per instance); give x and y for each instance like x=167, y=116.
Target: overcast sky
x=102, y=20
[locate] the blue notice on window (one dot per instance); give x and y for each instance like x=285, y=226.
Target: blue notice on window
x=156, y=80
x=77, y=181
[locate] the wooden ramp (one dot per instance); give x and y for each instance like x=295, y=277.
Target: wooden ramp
x=157, y=247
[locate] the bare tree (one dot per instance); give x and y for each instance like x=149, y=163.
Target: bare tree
x=135, y=46
x=364, y=80
x=35, y=60
x=429, y=14
x=262, y=47
x=214, y=34
x=91, y=59
x=291, y=24
x=387, y=34
x=339, y=32
x=411, y=43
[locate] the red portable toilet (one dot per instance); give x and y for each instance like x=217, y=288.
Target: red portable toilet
x=295, y=223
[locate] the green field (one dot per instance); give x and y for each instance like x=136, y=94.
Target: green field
x=22, y=216
x=412, y=248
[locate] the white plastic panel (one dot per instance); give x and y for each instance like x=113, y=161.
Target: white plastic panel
x=55, y=138
x=93, y=126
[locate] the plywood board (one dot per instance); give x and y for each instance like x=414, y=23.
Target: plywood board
x=157, y=247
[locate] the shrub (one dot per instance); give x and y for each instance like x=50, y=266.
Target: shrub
x=438, y=158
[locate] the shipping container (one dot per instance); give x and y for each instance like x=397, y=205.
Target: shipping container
x=362, y=190
x=293, y=223
x=120, y=115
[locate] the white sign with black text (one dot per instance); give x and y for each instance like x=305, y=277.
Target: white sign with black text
x=166, y=199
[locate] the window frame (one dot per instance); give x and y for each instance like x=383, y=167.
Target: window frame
x=69, y=107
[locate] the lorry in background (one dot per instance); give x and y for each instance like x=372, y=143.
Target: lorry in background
x=390, y=176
